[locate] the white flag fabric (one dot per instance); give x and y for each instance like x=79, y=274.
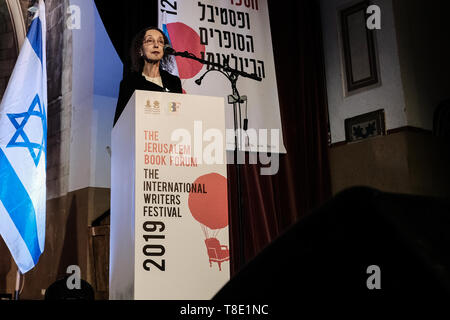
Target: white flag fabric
x=23, y=149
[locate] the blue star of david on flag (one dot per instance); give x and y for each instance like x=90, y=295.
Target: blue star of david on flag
x=35, y=149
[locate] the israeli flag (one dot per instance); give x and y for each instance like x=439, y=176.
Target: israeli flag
x=23, y=149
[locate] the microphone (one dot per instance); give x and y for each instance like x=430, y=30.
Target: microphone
x=168, y=49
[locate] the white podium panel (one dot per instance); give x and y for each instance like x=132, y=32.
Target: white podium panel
x=169, y=207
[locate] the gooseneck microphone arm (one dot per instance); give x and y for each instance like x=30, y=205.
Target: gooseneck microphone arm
x=225, y=67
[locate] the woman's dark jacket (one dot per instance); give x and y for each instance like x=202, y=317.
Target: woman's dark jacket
x=136, y=81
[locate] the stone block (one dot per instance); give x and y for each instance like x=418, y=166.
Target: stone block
x=7, y=41
x=55, y=16
x=54, y=123
x=6, y=67
x=8, y=53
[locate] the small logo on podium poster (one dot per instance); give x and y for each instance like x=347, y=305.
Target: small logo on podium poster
x=174, y=107
x=152, y=108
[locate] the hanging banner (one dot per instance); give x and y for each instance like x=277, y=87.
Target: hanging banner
x=237, y=31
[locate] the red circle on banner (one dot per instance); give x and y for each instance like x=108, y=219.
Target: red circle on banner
x=211, y=208
x=184, y=38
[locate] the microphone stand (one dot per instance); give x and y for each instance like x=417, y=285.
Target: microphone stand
x=235, y=99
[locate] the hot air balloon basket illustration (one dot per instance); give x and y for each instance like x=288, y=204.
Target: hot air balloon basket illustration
x=217, y=252
x=210, y=209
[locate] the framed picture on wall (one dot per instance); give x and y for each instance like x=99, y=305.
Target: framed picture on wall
x=359, y=54
x=365, y=126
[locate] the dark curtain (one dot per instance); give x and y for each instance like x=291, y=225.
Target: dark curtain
x=273, y=203
x=270, y=203
x=124, y=19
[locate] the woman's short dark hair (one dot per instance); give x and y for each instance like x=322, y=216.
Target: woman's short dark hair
x=137, y=61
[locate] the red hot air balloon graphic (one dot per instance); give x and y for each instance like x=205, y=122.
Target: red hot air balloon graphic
x=184, y=38
x=210, y=209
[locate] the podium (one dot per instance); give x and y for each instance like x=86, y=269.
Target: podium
x=169, y=208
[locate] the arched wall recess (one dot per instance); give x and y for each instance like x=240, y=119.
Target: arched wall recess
x=18, y=23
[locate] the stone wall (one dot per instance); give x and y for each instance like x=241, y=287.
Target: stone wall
x=59, y=68
x=8, y=57
x=8, y=48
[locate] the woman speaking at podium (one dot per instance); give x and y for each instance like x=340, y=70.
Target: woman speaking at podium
x=148, y=61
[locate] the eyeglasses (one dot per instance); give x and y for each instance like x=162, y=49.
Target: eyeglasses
x=151, y=41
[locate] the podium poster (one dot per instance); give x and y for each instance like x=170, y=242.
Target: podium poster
x=181, y=248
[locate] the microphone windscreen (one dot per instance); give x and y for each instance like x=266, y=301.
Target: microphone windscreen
x=168, y=49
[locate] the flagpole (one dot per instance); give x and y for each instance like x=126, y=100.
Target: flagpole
x=17, y=291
